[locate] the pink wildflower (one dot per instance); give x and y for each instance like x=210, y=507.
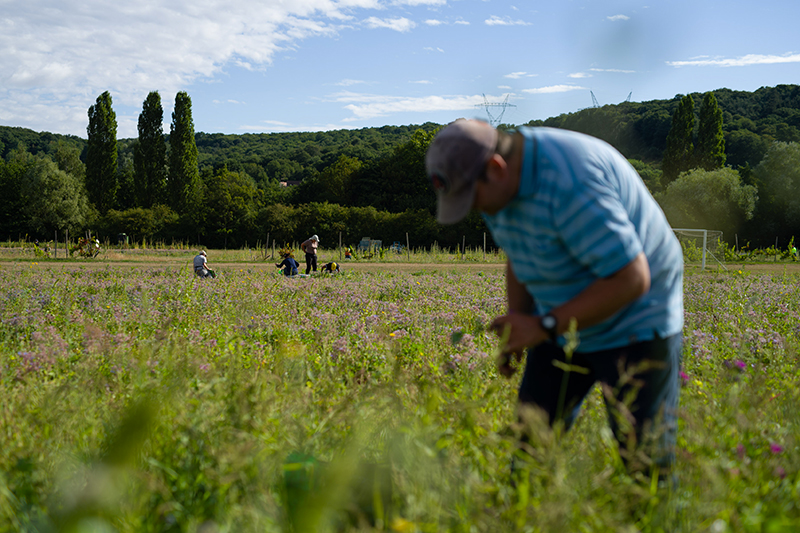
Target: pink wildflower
x=740, y=451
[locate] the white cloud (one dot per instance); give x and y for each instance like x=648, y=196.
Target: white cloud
x=618, y=17
x=431, y=49
x=400, y=24
x=494, y=20
x=504, y=87
x=348, y=83
x=519, y=75
x=58, y=55
x=612, y=70
x=366, y=106
x=461, y=22
x=422, y=82
x=744, y=61
x=579, y=75
x=554, y=89
x=274, y=126
x=420, y=2
x=434, y=22
x=276, y=123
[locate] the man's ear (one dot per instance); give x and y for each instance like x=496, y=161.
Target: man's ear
x=496, y=169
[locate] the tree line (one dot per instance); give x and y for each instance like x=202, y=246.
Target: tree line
x=726, y=164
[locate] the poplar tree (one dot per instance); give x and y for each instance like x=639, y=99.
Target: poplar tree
x=101, y=154
x=184, y=175
x=710, y=149
x=150, y=155
x=678, y=153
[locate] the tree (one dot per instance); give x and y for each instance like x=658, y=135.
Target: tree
x=12, y=175
x=150, y=154
x=710, y=150
x=651, y=176
x=332, y=184
x=745, y=147
x=184, y=175
x=778, y=179
x=126, y=193
x=53, y=199
x=678, y=153
x=230, y=206
x=398, y=182
x=68, y=159
x=139, y=223
x=714, y=199
x=101, y=154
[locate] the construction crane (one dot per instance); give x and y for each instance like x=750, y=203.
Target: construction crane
x=502, y=105
x=594, y=100
x=628, y=99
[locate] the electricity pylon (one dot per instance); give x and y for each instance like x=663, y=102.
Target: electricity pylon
x=502, y=105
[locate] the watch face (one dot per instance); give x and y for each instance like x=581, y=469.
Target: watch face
x=548, y=322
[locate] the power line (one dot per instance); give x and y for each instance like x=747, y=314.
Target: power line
x=502, y=105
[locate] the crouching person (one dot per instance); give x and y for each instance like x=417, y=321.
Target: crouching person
x=586, y=244
x=201, y=268
x=289, y=264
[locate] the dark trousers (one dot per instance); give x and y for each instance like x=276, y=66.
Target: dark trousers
x=641, y=384
x=311, y=262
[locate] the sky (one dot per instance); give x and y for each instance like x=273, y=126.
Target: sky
x=264, y=66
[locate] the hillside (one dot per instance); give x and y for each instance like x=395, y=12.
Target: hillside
x=752, y=121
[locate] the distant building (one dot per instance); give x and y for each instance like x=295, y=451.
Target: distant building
x=289, y=183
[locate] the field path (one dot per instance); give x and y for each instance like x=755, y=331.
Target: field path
x=173, y=263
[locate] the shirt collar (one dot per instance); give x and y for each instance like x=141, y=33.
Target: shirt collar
x=527, y=173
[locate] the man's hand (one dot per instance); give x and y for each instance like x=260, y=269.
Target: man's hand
x=507, y=363
x=520, y=331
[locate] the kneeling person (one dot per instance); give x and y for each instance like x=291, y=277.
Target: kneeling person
x=201, y=268
x=330, y=268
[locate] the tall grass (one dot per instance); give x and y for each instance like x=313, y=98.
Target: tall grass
x=149, y=400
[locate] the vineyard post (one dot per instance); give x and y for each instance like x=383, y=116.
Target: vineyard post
x=408, y=249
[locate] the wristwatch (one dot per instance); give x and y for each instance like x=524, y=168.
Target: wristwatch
x=550, y=325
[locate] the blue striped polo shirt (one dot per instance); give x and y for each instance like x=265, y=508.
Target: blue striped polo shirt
x=582, y=213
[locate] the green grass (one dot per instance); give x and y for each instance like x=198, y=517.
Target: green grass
x=148, y=400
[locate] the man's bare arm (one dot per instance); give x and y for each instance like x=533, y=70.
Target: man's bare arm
x=595, y=303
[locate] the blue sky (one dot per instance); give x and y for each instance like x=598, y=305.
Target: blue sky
x=312, y=65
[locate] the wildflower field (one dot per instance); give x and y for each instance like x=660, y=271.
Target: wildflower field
x=144, y=399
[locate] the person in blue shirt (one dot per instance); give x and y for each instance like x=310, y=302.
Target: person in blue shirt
x=289, y=264
x=587, y=245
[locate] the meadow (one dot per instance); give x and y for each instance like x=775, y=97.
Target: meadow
x=136, y=397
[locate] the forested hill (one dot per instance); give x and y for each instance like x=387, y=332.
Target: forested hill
x=751, y=121
x=372, y=181
x=297, y=156
x=263, y=156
